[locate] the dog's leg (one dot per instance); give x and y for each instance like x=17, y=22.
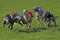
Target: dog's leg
x=49, y=23
x=4, y=24
x=45, y=23
x=12, y=26
x=54, y=20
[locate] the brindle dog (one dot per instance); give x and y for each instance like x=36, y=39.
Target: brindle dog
x=10, y=21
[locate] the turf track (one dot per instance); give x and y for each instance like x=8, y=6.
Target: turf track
x=39, y=32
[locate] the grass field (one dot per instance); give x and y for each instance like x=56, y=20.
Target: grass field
x=20, y=33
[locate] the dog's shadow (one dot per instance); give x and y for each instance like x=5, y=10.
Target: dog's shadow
x=58, y=27
x=54, y=25
x=37, y=29
x=31, y=30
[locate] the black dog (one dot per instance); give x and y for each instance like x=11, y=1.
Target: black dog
x=10, y=21
x=49, y=17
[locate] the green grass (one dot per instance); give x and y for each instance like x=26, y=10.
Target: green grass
x=20, y=33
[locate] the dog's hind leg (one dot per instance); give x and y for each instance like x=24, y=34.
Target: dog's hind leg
x=49, y=23
x=4, y=24
x=54, y=20
x=11, y=25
